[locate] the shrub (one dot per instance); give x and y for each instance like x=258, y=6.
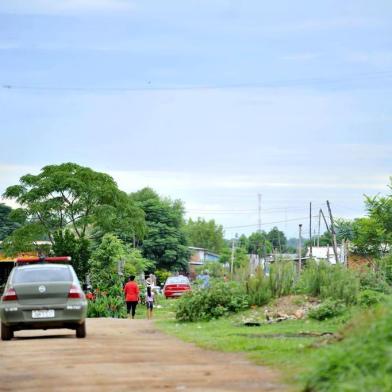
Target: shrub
x=329, y=281
x=214, y=302
x=282, y=278
x=362, y=361
x=328, y=309
x=258, y=289
x=108, y=303
x=370, y=297
x=374, y=280
x=385, y=265
x=215, y=269
x=107, y=306
x=162, y=275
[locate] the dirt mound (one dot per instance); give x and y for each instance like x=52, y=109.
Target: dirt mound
x=291, y=307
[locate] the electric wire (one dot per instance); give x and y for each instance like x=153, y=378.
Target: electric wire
x=277, y=83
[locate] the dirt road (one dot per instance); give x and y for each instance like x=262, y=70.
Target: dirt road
x=122, y=355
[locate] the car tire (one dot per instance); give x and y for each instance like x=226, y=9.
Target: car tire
x=6, y=332
x=81, y=330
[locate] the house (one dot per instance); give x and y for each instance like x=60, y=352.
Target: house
x=326, y=253
x=199, y=257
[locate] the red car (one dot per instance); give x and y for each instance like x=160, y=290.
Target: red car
x=175, y=286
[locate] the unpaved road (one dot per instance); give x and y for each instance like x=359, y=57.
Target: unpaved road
x=123, y=355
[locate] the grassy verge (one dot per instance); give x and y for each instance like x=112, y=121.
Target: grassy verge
x=291, y=346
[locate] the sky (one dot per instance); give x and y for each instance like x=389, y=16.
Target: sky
x=212, y=102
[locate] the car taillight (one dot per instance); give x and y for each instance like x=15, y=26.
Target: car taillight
x=10, y=295
x=74, y=292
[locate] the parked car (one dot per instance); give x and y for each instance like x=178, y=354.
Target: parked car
x=175, y=286
x=42, y=296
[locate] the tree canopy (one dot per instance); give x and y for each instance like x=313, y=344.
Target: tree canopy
x=72, y=196
x=165, y=241
x=7, y=223
x=277, y=239
x=205, y=234
x=259, y=244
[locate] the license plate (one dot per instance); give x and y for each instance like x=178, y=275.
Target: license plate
x=42, y=314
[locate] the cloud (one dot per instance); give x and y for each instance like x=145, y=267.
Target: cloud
x=9, y=45
x=64, y=6
x=232, y=199
x=374, y=58
x=168, y=183
x=311, y=25
x=302, y=56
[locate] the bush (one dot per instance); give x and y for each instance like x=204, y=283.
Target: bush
x=214, y=302
x=328, y=309
x=258, y=289
x=215, y=269
x=108, y=303
x=370, y=297
x=280, y=282
x=362, y=361
x=282, y=278
x=374, y=280
x=385, y=265
x=321, y=279
x=107, y=306
x=162, y=275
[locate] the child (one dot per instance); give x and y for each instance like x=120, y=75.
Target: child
x=149, y=302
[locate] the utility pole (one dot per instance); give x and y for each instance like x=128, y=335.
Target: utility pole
x=259, y=208
x=310, y=231
x=299, y=248
x=334, y=244
x=285, y=218
x=232, y=257
x=319, y=226
x=325, y=221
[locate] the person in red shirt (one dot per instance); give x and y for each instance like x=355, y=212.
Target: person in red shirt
x=131, y=292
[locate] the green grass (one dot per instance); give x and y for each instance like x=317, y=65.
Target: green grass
x=261, y=344
x=362, y=361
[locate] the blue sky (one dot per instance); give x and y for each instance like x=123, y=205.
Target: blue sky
x=210, y=101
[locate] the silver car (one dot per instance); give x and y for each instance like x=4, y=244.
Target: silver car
x=42, y=296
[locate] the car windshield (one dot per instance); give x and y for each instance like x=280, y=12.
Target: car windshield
x=49, y=274
x=177, y=280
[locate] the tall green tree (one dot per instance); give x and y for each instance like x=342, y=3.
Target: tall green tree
x=7, y=223
x=277, y=239
x=69, y=196
x=67, y=244
x=371, y=236
x=24, y=239
x=259, y=244
x=104, y=265
x=205, y=234
x=165, y=240
x=243, y=241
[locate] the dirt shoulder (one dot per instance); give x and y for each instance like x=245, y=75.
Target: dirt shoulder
x=123, y=355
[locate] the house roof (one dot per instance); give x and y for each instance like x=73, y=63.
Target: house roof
x=203, y=249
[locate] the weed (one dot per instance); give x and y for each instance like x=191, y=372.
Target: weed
x=327, y=310
x=362, y=361
x=370, y=297
x=321, y=279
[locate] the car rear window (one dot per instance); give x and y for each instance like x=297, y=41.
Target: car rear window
x=32, y=275
x=178, y=280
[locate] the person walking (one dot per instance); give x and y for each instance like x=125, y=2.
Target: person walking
x=149, y=302
x=131, y=292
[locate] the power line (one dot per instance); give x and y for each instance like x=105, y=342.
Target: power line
x=268, y=223
x=274, y=209
x=265, y=84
